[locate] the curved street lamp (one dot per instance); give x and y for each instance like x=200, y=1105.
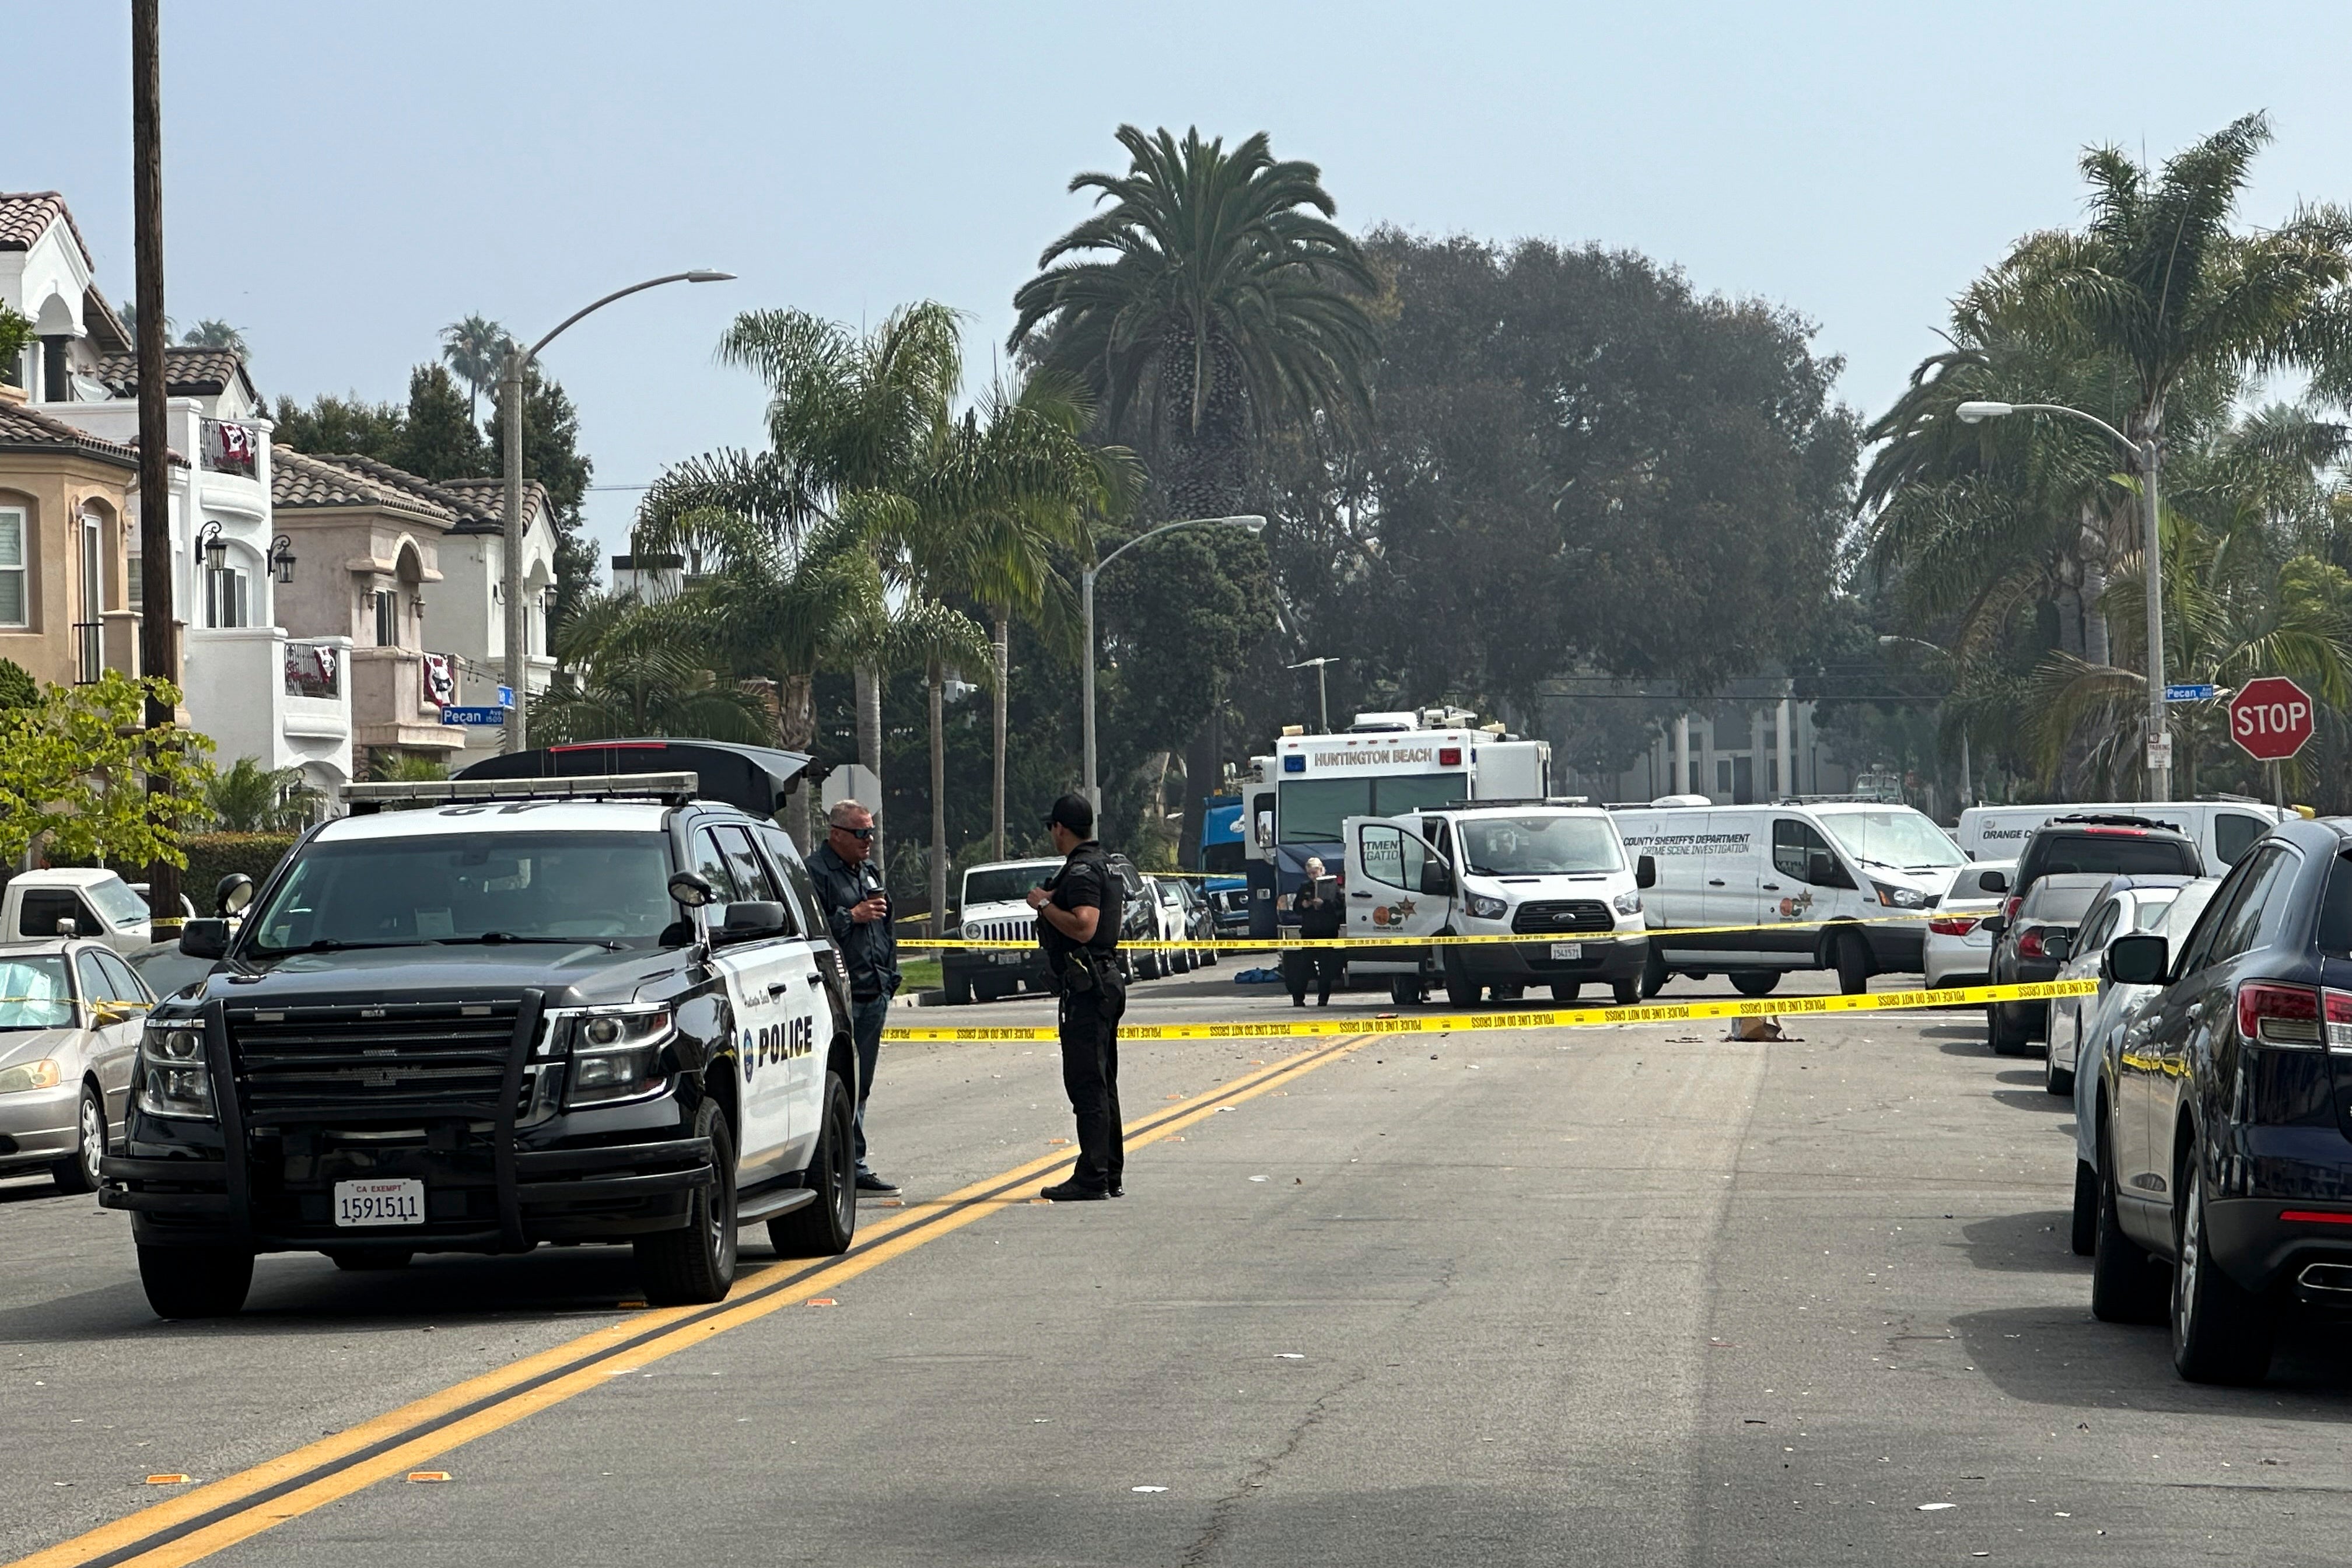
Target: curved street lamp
x=1249, y=523
x=2145, y=459
x=511, y=379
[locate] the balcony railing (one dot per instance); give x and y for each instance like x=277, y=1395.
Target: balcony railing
x=313, y=670
x=230, y=448
x=90, y=651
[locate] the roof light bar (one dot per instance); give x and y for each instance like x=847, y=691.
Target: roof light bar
x=674, y=789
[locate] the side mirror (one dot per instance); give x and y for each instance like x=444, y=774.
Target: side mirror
x=232, y=893
x=2138, y=959
x=204, y=939
x=68, y=926
x=1437, y=878
x=688, y=889
x=1645, y=871
x=1994, y=925
x=1993, y=881
x=749, y=919
x=2059, y=945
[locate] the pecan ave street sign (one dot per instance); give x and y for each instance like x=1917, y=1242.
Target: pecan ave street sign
x=2270, y=719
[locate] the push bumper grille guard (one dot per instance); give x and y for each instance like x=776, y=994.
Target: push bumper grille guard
x=231, y=1199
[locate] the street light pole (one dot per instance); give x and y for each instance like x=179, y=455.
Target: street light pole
x=1322, y=694
x=511, y=384
x=2145, y=458
x=1248, y=521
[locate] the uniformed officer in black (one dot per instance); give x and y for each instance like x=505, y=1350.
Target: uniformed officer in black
x=1077, y=925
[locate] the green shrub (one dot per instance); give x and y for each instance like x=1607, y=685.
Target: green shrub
x=212, y=855
x=17, y=687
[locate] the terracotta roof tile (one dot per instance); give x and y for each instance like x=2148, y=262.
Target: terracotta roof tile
x=190, y=370
x=24, y=430
x=485, y=500
x=25, y=216
x=298, y=482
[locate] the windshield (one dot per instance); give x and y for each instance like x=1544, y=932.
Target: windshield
x=1538, y=845
x=33, y=995
x=1311, y=810
x=117, y=902
x=1901, y=839
x=549, y=887
x=1004, y=884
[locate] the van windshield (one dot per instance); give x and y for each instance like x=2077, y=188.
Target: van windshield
x=1901, y=839
x=1311, y=810
x=1538, y=845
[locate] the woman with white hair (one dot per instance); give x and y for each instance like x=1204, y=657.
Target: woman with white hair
x=1320, y=915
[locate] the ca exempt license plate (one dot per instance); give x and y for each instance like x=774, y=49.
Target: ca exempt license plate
x=393, y=1201
x=1566, y=950
x=1006, y=957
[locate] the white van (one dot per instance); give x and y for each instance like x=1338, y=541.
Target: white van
x=1557, y=875
x=1816, y=868
x=2222, y=828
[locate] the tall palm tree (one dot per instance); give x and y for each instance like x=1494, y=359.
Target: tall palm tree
x=1224, y=300
x=628, y=666
x=212, y=333
x=475, y=350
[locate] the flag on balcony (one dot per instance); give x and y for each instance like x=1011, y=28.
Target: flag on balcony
x=440, y=680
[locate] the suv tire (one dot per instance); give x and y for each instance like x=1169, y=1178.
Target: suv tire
x=826, y=1227
x=1755, y=981
x=77, y=1172
x=958, y=990
x=695, y=1264
x=1851, y=956
x=2004, y=1040
x=2221, y=1331
x=1654, y=972
x=2126, y=1287
x=195, y=1281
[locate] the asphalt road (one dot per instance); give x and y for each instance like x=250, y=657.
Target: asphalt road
x=1634, y=1295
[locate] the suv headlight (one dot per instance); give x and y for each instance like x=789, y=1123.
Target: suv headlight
x=1895, y=897
x=27, y=1076
x=616, y=1054
x=1487, y=908
x=174, y=1079
x=1626, y=903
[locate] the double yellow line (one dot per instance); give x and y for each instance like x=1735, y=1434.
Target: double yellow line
x=212, y=1518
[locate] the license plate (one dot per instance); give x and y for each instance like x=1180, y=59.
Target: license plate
x=1006, y=957
x=1564, y=950
x=397, y=1201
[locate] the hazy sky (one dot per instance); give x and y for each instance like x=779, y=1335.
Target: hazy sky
x=341, y=180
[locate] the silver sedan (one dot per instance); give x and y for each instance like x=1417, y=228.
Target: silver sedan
x=71, y=1013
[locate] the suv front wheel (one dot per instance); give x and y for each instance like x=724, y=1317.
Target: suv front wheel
x=826, y=1227
x=696, y=1264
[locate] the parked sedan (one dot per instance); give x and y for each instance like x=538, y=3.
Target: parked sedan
x=2103, y=1020
x=1173, y=921
x=2225, y=1165
x=2125, y=905
x=2022, y=953
x=1199, y=918
x=71, y=1013
x=1959, y=948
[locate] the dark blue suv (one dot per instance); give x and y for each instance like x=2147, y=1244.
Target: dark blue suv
x=2225, y=1119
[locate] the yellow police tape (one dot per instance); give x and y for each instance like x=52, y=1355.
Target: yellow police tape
x=1530, y=1018
x=1519, y=939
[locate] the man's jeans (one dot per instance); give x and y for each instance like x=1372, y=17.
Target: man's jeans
x=866, y=1021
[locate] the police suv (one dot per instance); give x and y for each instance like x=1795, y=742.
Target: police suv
x=504, y=1012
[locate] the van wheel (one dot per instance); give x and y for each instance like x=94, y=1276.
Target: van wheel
x=1625, y=992
x=77, y=1172
x=2124, y=1285
x=826, y=1227
x=1404, y=991
x=2221, y=1331
x=1509, y=993
x=695, y=1264
x=1653, y=973
x=2084, y=1237
x=1566, y=990
x=1461, y=991
x=194, y=1282
x=959, y=989
x=1755, y=981
x=1853, y=957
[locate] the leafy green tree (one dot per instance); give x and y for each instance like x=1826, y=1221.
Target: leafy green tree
x=552, y=455
x=438, y=439
x=17, y=687
x=74, y=772
x=212, y=333
x=16, y=334
x=475, y=350
x=1212, y=297
x=330, y=424
x=246, y=797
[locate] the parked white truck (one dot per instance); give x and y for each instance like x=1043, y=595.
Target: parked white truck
x=101, y=905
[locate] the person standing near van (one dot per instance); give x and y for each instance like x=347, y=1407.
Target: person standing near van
x=858, y=913
x=1320, y=915
x=1078, y=910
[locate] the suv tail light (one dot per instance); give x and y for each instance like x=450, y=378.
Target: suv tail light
x=1953, y=925
x=2286, y=1015
x=2029, y=943
x=2337, y=1007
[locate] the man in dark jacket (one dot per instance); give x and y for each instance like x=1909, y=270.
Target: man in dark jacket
x=1078, y=910
x=850, y=888
x=1321, y=916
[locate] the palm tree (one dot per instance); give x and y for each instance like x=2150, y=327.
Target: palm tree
x=128, y=312
x=212, y=333
x=1228, y=302
x=246, y=797
x=631, y=668
x=475, y=350
x=405, y=767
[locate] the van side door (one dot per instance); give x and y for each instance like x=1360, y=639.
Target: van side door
x=1804, y=885
x=1391, y=871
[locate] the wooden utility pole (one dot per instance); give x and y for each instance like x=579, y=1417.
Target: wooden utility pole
x=159, y=651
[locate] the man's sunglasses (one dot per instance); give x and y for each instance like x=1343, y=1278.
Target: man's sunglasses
x=860, y=834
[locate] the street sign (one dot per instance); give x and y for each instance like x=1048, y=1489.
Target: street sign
x=2196, y=693
x=506, y=695
x=476, y=716
x=2270, y=719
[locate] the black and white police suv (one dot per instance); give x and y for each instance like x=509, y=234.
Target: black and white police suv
x=487, y=1013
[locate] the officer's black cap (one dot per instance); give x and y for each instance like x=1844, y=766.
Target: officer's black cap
x=1072, y=812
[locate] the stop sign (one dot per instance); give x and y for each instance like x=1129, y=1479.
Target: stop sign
x=2270, y=719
